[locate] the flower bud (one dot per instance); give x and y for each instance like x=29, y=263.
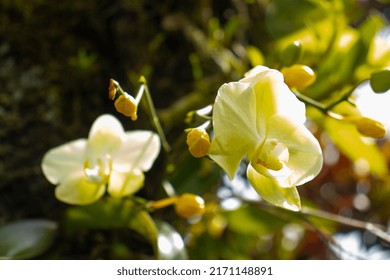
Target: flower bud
x=189, y=205
x=112, y=89
x=298, y=76
x=126, y=105
x=198, y=142
x=369, y=127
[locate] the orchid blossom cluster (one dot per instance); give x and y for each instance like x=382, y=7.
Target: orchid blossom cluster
x=258, y=118
x=113, y=161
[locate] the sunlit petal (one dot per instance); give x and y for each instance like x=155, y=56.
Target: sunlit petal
x=253, y=75
x=125, y=183
x=62, y=162
x=274, y=97
x=234, y=120
x=270, y=191
x=138, y=151
x=105, y=137
x=78, y=191
x=305, y=155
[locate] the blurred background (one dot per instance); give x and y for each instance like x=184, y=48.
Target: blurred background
x=56, y=59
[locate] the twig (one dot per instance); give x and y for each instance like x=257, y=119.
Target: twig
x=376, y=229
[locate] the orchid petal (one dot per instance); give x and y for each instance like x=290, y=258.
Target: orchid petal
x=64, y=161
x=234, y=119
x=125, y=183
x=270, y=191
x=138, y=151
x=79, y=191
x=105, y=137
x=253, y=75
x=305, y=155
x=274, y=97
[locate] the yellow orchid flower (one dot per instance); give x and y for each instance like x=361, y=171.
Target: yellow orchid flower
x=109, y=157
x=259, y=118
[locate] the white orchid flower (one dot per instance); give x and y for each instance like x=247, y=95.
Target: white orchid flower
x=259, y=118
x=111, y=157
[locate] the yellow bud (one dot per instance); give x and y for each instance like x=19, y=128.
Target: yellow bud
x=112, y=89
x=198, y=142
x=126, y=105
x=189, y=205
x=369, y=127
x=298, y=76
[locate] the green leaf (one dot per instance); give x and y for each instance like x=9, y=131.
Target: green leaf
x=170, y=244
x=349, y=141
x=380, y=81
x=331, y=74
x=195, y=176
x=26, y=239
x=369, y=28
x=113, y=213
x=291, y=54
x=285, y=17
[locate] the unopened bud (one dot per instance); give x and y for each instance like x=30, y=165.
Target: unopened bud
x=126, y=105
x=370, y=128
x=189, y=205
x=298, y=76
x=198, y=142
x=112, y=89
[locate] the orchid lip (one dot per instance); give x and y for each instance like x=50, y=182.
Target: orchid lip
x=272, y=154
x=98, y=170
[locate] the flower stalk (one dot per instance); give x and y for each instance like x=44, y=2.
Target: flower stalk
x=156, y=122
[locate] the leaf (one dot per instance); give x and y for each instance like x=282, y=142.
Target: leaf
x=291, y=54
x=170, y=244
x=331, y=75
x=26, y=239
x=284, y=17
x=113, y=213
x=348, y=140
x=195, y=176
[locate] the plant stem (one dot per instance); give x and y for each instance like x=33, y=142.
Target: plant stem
x=154, y=116
x=310, y=101
x=375, y=229
x=162, y=203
